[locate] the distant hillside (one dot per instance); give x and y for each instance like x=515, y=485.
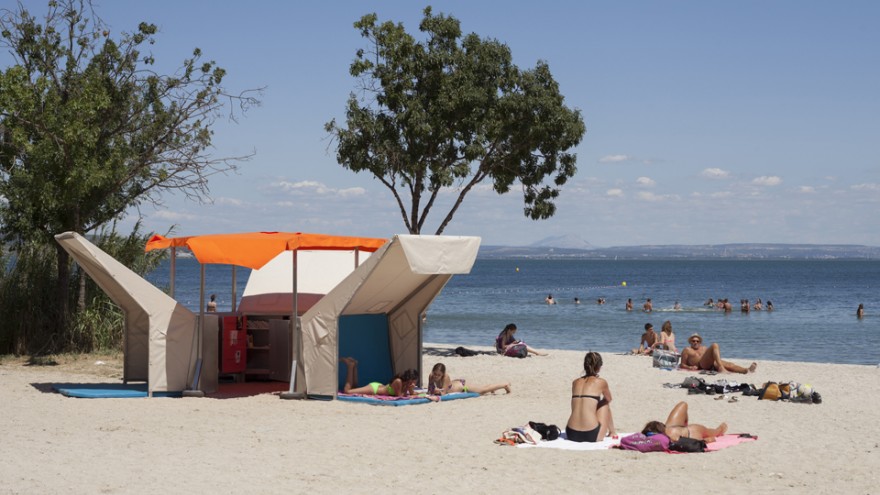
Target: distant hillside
x=717, y=251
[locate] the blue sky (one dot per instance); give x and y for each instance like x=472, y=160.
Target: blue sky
x=707, y=122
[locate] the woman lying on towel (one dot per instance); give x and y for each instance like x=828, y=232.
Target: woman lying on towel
x=590, y=418
x=677, y=426
x=439, y=383
x=402, y=384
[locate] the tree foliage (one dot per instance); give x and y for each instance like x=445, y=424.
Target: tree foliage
x=450, y=112
x=89, y=130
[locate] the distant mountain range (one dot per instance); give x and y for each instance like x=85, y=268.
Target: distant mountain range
x=574, y=247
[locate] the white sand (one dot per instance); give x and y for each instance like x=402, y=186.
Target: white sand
x=261, y=444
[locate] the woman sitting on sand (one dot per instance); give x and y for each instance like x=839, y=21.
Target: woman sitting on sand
x=667, y=338
x=590, y=418
x=677, y=426
x=402, y=384
x=439, y=383
x=506, y=340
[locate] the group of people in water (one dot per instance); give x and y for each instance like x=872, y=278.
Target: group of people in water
x=648, y=306
x=744, y=305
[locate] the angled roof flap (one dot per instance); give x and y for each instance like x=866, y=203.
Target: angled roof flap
x=440, y=254
x=255, y=249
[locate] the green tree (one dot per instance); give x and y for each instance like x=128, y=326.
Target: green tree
x=450, y=112
x=89, y=130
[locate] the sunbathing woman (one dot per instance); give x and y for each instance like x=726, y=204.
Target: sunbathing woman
x=667, y=338
x=677, y=426
x=439, y=383
x=402, y=384
x=590, y=418
x=506, y=340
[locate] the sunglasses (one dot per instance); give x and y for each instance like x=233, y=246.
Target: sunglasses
x=696, y=341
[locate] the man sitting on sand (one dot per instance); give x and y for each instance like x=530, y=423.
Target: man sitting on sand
x=699, y=357
x=649, y=338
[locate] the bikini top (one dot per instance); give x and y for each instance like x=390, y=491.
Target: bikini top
x=595, y=397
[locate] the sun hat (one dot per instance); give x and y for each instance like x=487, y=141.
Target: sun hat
x=695, y=335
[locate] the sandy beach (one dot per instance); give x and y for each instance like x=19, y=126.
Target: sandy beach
x=261, y=444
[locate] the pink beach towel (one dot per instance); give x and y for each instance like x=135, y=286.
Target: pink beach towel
x=728, y=440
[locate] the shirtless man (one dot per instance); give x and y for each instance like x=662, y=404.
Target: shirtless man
x=699, y=357
x=648, y=306
x=649, y=338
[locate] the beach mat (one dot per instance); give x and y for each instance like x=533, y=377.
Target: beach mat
x=565, y=444
x=387, y=400
x=107, y=390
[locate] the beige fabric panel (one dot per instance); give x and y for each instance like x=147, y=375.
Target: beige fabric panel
x=152, y=317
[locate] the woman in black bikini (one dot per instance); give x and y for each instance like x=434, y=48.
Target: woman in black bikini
x=677, y=426
x=590, y=419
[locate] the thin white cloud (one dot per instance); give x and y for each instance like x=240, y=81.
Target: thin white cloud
x=807, y=189
x=314, y=187
x=173, y=216
x=715, y=173
x=228, y=201
x=767, y=180
x=721, y=195
x=617, y=193
x=615, y=159
x=866, y=187
x=654, y=198
x=645, y=181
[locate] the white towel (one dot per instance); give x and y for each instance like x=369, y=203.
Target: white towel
x=562, y=443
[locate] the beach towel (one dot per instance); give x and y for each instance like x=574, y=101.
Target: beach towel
x=721, y=442
x=388, y=400
x=564, y=444
x=107, y=390
x=728, y=440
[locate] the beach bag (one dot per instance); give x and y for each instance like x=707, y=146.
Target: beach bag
x=687, y=444
x=548, y=432
x=770, y=391
x=665, y=359
x=643, y=443
x=517, y=350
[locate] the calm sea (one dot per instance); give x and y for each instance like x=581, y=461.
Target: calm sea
x=814, y=318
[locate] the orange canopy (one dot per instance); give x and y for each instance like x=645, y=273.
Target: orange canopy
x=255, y=249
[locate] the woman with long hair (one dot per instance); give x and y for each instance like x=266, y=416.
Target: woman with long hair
x=401, y=384
x=677, y=426
x=439, y=383
x=590, y=419
x=506, y=340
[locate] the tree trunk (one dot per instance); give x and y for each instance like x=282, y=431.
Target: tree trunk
x=81, y=298
x=62, y=306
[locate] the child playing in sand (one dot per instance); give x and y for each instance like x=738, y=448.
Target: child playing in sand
x=677, y=426
x=439, y=383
